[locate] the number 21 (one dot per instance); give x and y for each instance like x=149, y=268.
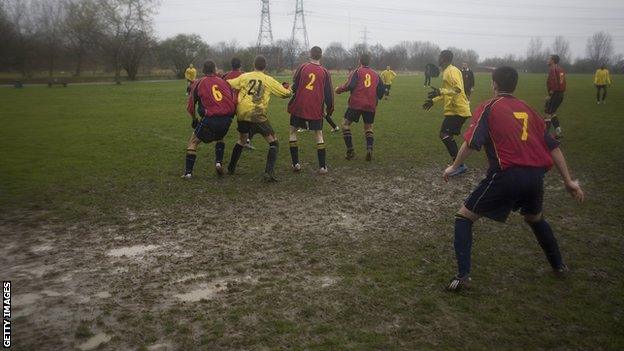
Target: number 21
x=525, y=124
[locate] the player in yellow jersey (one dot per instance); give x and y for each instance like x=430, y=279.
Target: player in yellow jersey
x=456, y=105
x=255, y=90
x=190, y=73
x=387, y=77
x=602, y=79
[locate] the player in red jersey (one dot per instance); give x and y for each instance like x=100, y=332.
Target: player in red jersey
x=556, y=86
x=366, y=90
x=520, y=151
x=312, y=89
x=215, y=104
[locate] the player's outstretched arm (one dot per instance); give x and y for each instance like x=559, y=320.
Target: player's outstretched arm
x=464, y=152
x=571, y=186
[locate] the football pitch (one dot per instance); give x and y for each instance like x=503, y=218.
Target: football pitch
x=105, y=245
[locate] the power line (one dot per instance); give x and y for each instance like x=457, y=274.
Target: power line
x=364, y=37
x=299, y=25
x=265, y=34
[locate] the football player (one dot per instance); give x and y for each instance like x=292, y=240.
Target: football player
x=255, y=90
x=520, y=152
x=456, y=105
x=601, y=81
x=214, y=102
x=190, y=73
x=236, y=71
x=366, y=90
x=387, y=76
x=312, y=89
x=556, y=86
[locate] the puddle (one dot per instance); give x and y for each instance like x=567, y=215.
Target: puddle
x=205, y=291
x=190, y=277
x=103, y=295
x=94, y=342
x=327, y=281
x=26, y=299
x=160, y=347
x=129, y=251
x=42, y=248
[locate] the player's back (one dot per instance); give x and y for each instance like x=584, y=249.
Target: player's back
x=457, y=104
x=364, y=83
x=312, y=88
x=556, y=79
x=518, y=133
x=255, y=89
x=214, y=97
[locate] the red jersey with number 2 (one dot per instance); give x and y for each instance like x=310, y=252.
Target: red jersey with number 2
x=513, y=133
x=213, y=97
x=312, y=88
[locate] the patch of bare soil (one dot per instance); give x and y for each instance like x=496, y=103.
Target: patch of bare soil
x=107, y=276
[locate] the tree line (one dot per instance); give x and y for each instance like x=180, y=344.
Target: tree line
x=117, y=36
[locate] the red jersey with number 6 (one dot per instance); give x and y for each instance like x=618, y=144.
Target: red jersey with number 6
x=213, y=97
x=513, y=133
x=312, y=88
x=366, y=89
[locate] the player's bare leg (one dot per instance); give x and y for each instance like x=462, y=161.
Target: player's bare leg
x=269, y=171
x=463, y=246
x=320, y=151
x=547, y=241
x=191, y=155
x=368, y=133
x=237, y=151
x=294, y=149
x=348, y=139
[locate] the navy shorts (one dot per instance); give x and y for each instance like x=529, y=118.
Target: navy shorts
x=387, y=86
x=213, y=128
x=354, y=116
x=263, y=128
x=452, y=125
x=311, y=124
x=517, y=188
x=553, y=102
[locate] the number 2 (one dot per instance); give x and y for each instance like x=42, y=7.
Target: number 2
x=367, y=80
x=525, y=124
x=216, y=93
x=310, y=85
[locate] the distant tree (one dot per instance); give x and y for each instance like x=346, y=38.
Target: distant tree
x=354, y=54
x=378, y=55
x=396, y=57
x=468, y=56
x=223, y=52
x=49, y=16
x=82, y=26
x=23, y=45
x=8, y=35
x=599, y=48
x=536, y=56
x=335, y=56
x=561, y=47
x=180, y=51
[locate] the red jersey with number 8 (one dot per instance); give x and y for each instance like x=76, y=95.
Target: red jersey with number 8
x=213, y=96
x=312, y=88
x=513, y=133
x=366, y=89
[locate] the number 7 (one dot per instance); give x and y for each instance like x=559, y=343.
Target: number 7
x=525, y=124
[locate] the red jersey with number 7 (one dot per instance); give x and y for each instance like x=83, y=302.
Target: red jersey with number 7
x=513, y=133
x=312, y=88
x=366, y=89
x=213, y=97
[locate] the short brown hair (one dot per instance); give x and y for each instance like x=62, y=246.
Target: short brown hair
x=260, y=63
x=365, y=59
x=209, y=67
x=316, y=53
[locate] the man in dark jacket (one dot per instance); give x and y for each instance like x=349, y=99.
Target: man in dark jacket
x=468, y=77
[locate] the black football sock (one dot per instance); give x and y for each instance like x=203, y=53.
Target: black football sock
x=555, y=122
x=604, y=94
x=544, y=235
x=320, y=152
x=219, y=151
x=294, y=151
x=598, y=94
x=463, y=244
x=191, y=156
x=370, y=139
x=329, y=120
x=272, y=157
x=451, y=146
x=346, y=134
x=236, y=153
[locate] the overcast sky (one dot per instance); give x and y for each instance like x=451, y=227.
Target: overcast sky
x=491, y=27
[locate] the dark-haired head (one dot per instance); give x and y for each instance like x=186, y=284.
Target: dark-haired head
x=209, y=67
x=260, y=63
x=365, y=59
x=505, y=79
x=446, y=58
x=316, y=53
x=555, y=59
x=235, y=63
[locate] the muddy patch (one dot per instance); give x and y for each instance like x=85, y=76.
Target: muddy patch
x=94, y=342
x=131, y=251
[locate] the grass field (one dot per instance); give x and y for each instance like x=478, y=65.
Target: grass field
x=103, y=241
